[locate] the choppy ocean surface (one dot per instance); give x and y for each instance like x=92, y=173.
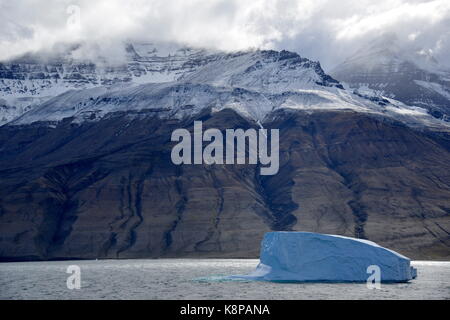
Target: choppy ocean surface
x=194, y=279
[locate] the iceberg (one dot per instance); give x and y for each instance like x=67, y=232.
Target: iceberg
x=313, y=257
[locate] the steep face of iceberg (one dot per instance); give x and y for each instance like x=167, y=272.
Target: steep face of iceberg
x=305, y=256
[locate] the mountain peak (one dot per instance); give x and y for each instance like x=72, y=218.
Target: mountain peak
x=400, y=71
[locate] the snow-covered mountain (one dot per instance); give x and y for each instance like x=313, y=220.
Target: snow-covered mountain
x=411, y=76
x=182, y=82
x=253, y=83
x=34, y=78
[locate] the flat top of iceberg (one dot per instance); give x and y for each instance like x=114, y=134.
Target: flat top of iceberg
x=368, y=242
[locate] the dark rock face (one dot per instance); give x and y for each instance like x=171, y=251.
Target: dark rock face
x=108, y=189
x=358, y=176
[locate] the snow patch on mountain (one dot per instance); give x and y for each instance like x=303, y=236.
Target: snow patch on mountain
x=436, y=87
x=180, y=100
x=268, y=71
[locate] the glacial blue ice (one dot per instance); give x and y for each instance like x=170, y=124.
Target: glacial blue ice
x=314, y=257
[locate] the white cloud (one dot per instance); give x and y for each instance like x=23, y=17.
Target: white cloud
x=324, y=30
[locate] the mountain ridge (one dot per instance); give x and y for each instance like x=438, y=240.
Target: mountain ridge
x=252, y=82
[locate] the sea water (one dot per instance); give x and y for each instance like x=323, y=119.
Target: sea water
x=196, y=279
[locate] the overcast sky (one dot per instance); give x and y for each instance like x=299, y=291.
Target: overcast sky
x=324, y=30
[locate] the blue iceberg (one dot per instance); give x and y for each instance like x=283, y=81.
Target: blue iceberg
x=314, y=257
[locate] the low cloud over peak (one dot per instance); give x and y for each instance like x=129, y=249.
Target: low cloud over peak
x=323, y=30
